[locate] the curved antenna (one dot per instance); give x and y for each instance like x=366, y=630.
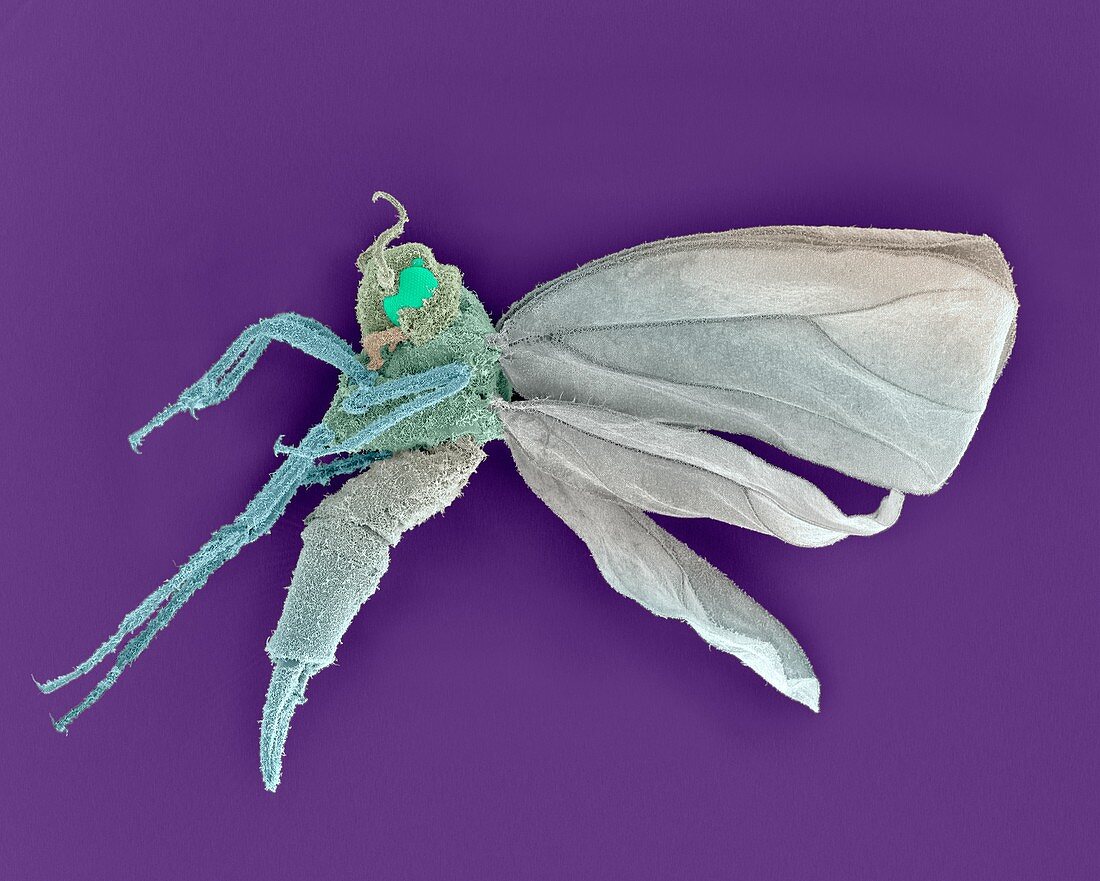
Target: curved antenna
x=386, y=277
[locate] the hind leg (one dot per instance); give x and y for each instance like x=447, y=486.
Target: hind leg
x=345, y=552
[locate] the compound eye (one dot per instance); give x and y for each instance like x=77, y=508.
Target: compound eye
x=415, y=284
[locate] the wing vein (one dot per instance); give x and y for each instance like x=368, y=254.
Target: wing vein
x=746, y=490
x=673, y=389
x=732, y=319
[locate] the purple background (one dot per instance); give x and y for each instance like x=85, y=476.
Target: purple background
x=172, y=172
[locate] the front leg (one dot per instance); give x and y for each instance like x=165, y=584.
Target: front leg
x=219, y=382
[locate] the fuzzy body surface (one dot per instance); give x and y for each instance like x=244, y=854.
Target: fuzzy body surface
x=466, y=414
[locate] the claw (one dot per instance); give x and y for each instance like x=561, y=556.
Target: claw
x=284, y=695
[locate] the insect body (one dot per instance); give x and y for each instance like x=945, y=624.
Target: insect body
x=869, y=351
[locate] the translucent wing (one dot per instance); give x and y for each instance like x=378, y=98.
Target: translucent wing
x=869, y=351
x=600, y=471
x=679, y=472
x=642, y=561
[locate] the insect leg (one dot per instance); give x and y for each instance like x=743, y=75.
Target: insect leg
x=220, y=381
x=345, y=552
x=155, y=612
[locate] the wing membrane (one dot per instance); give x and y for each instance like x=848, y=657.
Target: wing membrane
x=643, y=562
x=869, y=351
x=679, y=472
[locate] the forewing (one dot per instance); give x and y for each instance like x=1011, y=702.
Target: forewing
x=869, y=351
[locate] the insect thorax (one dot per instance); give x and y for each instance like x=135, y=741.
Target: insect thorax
x=466, y=414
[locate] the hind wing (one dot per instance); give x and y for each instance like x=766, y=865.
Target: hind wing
x=600, y=471
x=644, y=562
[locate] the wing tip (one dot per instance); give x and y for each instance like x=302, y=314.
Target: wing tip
x=804, y=691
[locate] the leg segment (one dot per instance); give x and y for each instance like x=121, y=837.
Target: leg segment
x=300, y=469
x=157, y=610
x=219, y=382
x=345, y=551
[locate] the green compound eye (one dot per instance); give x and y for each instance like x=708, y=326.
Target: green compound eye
x=414, y=286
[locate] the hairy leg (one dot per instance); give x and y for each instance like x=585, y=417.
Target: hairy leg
x=345, y=551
